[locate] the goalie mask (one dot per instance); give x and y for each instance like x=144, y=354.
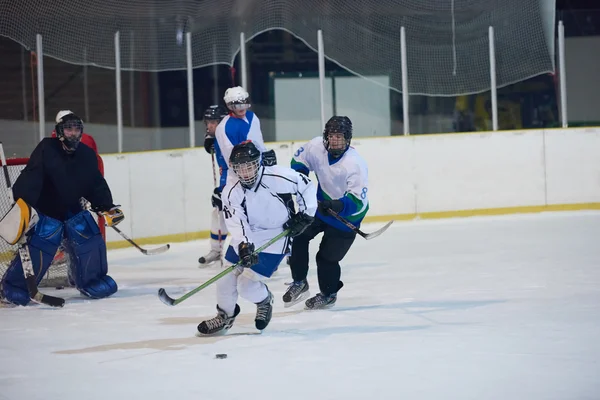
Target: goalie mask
x=237, y=99
x=69, y=129
x=245, y=161
x=337, y=135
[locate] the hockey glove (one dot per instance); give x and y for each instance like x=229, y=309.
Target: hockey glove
x=209, y=144
x=113, y=216
x=247, y=256
x=298, y=224
x=269, y=158
x=216, y=199
x=335, y=205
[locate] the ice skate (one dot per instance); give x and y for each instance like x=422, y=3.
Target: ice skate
x=219, y=324
x=211, y=257
x=264, y=311
x=320, y=302
x=297, y=292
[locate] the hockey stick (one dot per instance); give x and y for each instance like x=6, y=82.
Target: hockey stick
x=27, y=265
x=367, y=236
x=212, y=156
x=151, y=252
x=148, y=252
x=165, y=298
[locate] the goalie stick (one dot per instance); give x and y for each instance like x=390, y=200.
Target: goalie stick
x=165, y=298
x=367, y=236
x=28, y=272
x=149, y=252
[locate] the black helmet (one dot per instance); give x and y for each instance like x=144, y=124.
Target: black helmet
x=337, y=124
x=245, y=162
x=215, y=113
x=67, y=119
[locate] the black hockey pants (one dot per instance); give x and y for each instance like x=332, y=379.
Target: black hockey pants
x=333, y=248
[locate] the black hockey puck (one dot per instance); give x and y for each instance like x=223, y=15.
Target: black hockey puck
x=221, y=356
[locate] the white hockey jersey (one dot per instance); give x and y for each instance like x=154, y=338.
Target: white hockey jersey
x=257, y=215
x=345, y=178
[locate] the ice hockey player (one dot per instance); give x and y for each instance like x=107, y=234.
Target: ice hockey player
x=258, y=205
x=218, y=229
x=240, y=125
x=48, y=193
x=343, y=187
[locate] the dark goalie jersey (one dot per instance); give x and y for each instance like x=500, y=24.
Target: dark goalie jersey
x=53, y=181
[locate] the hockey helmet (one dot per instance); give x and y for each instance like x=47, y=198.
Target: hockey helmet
x=215, y=113
x=337, y=146
x=245, y=162
x=237, y=98
x=69, y=129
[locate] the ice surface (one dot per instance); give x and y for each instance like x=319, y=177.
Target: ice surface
x=475, y=308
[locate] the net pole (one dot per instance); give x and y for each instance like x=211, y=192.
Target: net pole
x=215, y=76
x=40, y=76
x=190, y=88
x=562, y=75
x=243, y=70
x=131, y=80
x=494, y=91
x=119, y=93
x=405, y=99
x=86, y=99
x=321, y=58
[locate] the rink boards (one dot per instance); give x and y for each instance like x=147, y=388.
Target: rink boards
x=166, y=194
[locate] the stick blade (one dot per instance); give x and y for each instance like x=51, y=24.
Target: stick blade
x=165, y=298
x=379, y=231
x=158, y=250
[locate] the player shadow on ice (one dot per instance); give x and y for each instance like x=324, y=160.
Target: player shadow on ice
x=155, y=344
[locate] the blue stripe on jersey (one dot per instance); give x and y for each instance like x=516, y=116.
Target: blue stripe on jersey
x=267, y=262
x=347, y=208
x=222, y=166
x=237, y=129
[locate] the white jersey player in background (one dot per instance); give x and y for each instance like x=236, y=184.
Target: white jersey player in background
x=258, y=205
x=343, y=187
x=218, y=230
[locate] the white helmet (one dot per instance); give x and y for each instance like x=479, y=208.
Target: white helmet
x=237, y=98
x=61, y=114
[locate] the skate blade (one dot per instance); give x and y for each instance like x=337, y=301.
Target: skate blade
x=302, y=297
x=325, y=307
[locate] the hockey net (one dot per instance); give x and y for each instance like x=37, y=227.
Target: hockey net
x=57, y=275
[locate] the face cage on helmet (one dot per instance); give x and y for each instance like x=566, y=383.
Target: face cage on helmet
x=238, y=106
x=247, y=172
x=335, y=152
x=70, y=143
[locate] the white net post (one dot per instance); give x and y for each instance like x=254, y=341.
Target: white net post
x=86, y=99
x=40, y=76
x=562, y=75
x=119, y=92
x=493, y=85
x=243, y=64
x=190, y=88
x=405, y=94
x=321, y=58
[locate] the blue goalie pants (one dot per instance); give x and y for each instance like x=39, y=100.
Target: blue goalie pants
x=86, y=249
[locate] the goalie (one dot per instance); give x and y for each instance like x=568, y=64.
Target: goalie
x=48, y=207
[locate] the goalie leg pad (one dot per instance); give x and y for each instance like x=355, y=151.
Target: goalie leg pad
x=43, y=244
x=17, y=221
x=87, y=250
